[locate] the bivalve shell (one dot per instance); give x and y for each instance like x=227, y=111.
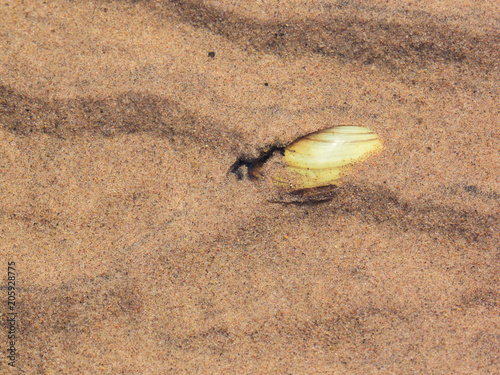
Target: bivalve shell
x=322, y=158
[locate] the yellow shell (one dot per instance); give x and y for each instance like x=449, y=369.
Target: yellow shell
x=321, y=158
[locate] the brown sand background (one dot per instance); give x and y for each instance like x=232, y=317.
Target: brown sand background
x=136, y=253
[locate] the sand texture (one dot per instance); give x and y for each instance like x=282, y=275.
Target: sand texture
x=137, y=251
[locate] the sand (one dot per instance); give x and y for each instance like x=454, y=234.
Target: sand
x=136, y=252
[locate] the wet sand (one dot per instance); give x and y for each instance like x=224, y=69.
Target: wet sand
x=138, y=252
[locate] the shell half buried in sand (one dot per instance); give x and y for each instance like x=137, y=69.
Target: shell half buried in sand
x=322, y=158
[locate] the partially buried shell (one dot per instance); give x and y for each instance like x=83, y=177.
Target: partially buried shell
x=321, y=158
